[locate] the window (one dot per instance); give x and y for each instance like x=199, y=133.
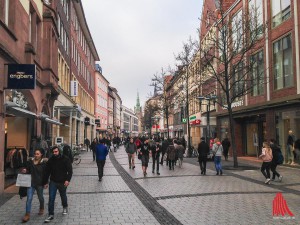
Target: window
x=282, y=63
x=256, y=17
x=237, y=31
x=238, y=80
x=258, y=74
x=281, y=11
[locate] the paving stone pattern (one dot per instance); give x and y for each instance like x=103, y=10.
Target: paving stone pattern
x=182, y=196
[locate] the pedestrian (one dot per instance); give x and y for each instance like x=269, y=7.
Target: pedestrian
x=290, y=148
x=101, y=153
x=67, y=151
x=93, y=148
x=164, y=147
x=155, y=150
x=203, y=151
x=131, y=149
x=138, y=144
x=180, y=150
x=59, y=168
x=144, y=152
x=217, y=150
x=87, y=143
x=266, y=156
x=276, y=152
x=36, y=167
x=226, y=146
x=171, y=153
x=108, y=144
x=297, y=150
x=183, y=142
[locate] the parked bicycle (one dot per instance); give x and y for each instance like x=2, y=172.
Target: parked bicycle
x=76, y=155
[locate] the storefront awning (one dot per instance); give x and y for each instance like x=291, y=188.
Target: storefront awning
x=12, y=108
x=53, y=121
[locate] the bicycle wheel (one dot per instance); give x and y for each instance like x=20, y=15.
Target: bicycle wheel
x=77, y=160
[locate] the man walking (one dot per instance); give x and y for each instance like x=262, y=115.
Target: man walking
x=59, y=168
x=155, y=150
x=203, y=150
x=164, y=148
x=101, y=153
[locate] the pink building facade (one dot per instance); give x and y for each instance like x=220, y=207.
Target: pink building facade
x=101, y=102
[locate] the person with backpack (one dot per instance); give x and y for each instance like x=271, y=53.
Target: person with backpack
x=277, y=159
x=267, y=157
x=67, y=151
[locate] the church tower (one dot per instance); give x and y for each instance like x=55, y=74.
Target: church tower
x=138, y=112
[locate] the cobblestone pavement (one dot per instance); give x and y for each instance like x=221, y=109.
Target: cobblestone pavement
x=182, y=196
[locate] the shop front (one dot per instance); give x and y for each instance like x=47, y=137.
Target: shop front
x=195, y=122
x=255, y=127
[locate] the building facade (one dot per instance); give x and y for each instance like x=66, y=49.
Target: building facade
x=28, y=31
x=101, y=102
x=272, y=108
x=76, y=59
x=130, y=123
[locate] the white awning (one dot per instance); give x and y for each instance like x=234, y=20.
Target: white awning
x=18, y=111
x=53, y=121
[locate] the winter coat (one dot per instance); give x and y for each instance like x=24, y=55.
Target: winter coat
x=37, y=171
x=171, y=151
x=180, y=150
x=164, y=146
x=203, y=149
x=217, y=149
x=131, y=148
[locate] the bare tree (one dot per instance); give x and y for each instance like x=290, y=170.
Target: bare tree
x=229, y=58
x=161, y=81
x=151, y=109
x=185, y=58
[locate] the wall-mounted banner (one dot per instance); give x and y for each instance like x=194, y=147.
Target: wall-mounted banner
x=74, y=88
x=21, y=76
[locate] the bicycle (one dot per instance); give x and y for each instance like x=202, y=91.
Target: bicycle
x=76, y=155
x=194, y=152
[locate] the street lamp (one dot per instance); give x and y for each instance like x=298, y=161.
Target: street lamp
x=207, y=100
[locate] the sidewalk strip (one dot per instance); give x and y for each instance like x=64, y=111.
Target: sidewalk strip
x=212, y=194
x=163, y=216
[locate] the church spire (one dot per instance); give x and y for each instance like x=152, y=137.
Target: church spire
x=138, y=108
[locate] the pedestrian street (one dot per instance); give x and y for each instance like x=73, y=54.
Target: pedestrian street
x=182, y=196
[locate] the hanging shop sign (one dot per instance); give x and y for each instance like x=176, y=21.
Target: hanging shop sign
x=74, y=88
x=21, y=76
x=87, y=121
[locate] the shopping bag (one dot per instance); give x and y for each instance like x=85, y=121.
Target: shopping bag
x=23, y=180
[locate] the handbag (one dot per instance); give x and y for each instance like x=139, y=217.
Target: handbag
x=139, y=156
x=23, y=180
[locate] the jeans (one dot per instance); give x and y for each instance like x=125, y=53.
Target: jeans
x=171, y=164
x=94, y=155
x=131, y=159
x=155, y=160
x=265, y=169
x=53, y=187
x=290, y=156
x=30, y=192
x=180, y=160
x=100, y=165
x=218, y=164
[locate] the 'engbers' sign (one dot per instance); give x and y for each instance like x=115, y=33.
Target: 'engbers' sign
x=21, y=76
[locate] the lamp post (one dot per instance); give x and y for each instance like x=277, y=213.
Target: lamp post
x=207, y=100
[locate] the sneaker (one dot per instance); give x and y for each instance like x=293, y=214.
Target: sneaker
x=268, y=180
x=133, y=167
x=280, y=178
x=157, y=173
x=65, y=211
x=49, y=218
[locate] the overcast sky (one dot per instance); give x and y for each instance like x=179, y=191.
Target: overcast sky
x=136, y=38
